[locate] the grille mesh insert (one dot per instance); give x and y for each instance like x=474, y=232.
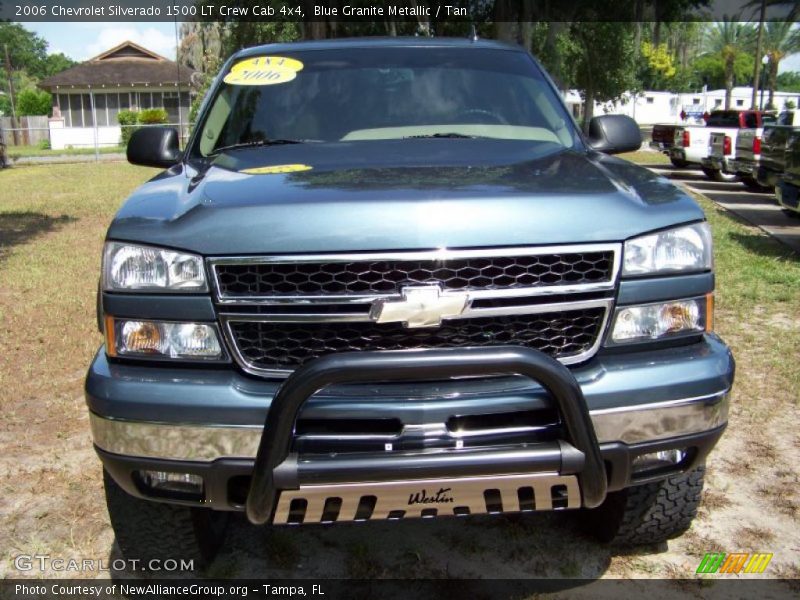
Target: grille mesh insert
x=389, y=276
x=275, y=345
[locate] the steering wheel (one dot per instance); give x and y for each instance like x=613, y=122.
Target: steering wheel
x=484, y=113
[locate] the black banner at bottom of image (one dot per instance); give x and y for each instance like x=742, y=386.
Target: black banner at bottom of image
x=441, y=589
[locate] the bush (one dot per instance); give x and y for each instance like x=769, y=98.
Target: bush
x=789, y=105
x=153, y=116
x=130, y=119
x=127, y=120
x=32, y=102
x=43, y=145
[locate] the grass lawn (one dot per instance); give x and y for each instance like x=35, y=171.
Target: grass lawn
x=15, y=152
x=52, y=222
x=645, y=157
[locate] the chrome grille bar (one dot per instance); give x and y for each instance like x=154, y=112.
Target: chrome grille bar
x=437, y=257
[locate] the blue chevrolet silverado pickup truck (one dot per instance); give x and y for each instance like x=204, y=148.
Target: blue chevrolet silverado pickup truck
x=390, y=279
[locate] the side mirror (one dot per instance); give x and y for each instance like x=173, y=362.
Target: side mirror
x=613, y=134
x=154, y=147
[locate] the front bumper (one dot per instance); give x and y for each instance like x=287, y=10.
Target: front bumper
x=211, y=421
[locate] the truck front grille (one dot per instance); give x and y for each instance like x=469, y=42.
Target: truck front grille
x=280, y=312
x=381, y=277
x=271, y=345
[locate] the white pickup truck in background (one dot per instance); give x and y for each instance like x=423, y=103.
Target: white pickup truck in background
x=693, y=143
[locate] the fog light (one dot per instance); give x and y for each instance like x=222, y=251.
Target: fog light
x=166, y=482
x=657, y=460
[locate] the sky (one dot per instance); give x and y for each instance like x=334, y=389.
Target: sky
x=82, y=41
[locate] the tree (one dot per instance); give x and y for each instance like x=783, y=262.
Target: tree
x=710, y=69
x=5, y=105
x=728, y=40
x=605, y=65
x=657, y=66
x=788, y=81
x=780, y=40
x=27, y=50
x=33, y=102
x=55, y=63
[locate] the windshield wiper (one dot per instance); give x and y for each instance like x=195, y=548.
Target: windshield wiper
x=442, y=135
x=257, y=143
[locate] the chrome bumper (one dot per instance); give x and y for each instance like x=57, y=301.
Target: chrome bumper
x=630, y=425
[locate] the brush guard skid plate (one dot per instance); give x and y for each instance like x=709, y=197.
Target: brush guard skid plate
x=568, y=473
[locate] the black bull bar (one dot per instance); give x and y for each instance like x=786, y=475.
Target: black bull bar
x=277, y=468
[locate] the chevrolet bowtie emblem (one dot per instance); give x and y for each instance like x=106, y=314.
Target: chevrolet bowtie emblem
x=420, y=307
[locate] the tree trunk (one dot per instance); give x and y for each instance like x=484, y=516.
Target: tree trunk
x=728, y=83
x=772, y=83
x=656, y=24
x=526, y=26
x=588, y=109
x=550, y=55
x=504, y=21
x=637, y=39
x=757, y=61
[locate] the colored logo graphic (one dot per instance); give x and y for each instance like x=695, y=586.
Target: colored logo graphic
x=263, y=70
x=737, y=562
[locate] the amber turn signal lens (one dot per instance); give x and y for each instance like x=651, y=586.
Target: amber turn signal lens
x=709, y=313
x=111, y=342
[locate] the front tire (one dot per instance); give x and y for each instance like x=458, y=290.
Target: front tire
x=717, y=175
x=650, y=513
x=678, y=163
x=753, y=185
x=148, y=530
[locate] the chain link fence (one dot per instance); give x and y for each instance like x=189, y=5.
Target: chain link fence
x=28, y=143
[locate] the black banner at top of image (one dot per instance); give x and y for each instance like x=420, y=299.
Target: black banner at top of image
x=430, y=11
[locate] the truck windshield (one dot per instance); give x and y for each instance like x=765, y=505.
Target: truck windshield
x=383, y=93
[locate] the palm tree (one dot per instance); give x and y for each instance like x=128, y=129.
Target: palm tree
x=728, y=40
x=780, y=40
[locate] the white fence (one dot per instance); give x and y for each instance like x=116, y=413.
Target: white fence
x=24, y=131
x=69, y=141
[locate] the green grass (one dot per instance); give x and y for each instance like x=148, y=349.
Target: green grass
x=52, y=223
x=757, y=299
x=15, y=152
x=645, y=157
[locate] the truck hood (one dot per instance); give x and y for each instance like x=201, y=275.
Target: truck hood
x=397, y=195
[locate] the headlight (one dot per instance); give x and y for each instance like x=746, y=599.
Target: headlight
x=129, y=267
x=662, y=320
x=682, y=249
x=162, y=340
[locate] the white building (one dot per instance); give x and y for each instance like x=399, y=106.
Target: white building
x=88, y=97
x=649, y=108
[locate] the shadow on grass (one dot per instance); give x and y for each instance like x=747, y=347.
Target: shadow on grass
x=497, y=557
x=18, y=227
x=764, y=245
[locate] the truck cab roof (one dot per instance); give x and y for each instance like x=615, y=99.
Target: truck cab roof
x=378, y=42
